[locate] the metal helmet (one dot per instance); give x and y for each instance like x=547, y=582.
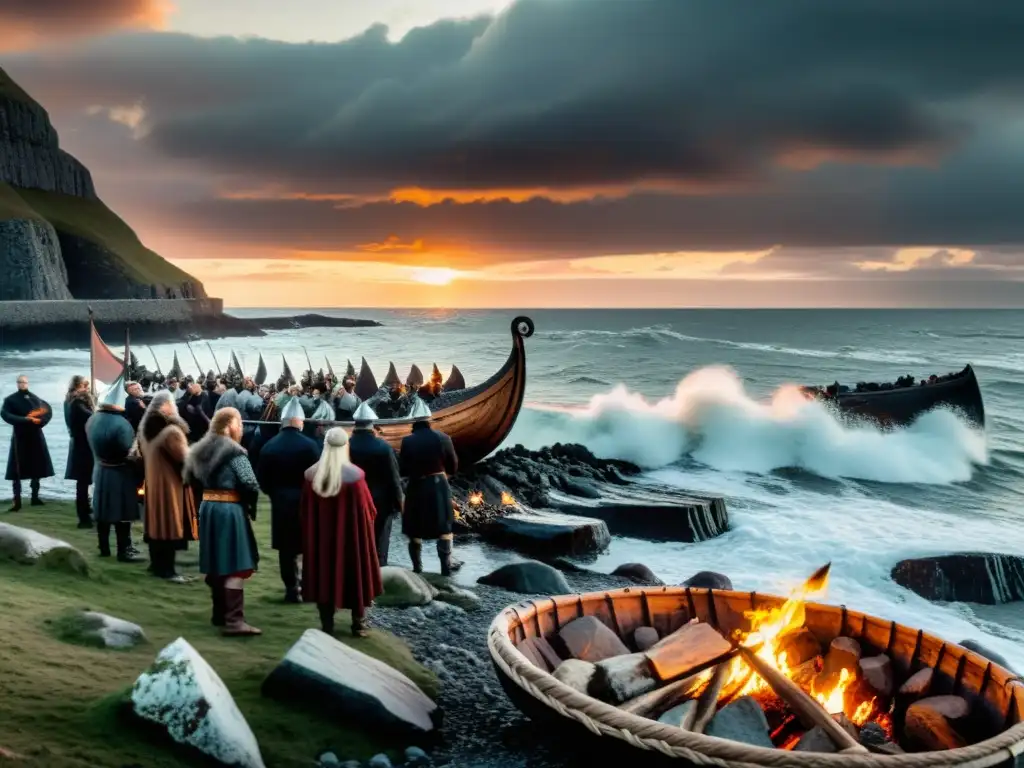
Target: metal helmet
x=364, y=414
x=420, y=412
x=292, y=411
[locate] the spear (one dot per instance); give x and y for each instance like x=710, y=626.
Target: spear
x=220, y=370
x=309, y=363
x=158, y=371
x=195, y=359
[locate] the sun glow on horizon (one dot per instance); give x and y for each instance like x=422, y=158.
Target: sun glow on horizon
x=434, y=275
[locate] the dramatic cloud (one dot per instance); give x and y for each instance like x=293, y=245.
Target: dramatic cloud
x=28, y=23
x=643, y=127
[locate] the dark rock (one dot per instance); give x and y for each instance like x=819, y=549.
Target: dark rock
x=417, y=758
x=311, y=320
x=743, y=720
x=708, y=580
x=379, y=761
x=323, y=672
x=577, y=487
x=688, y=520
x=639, y=573
x=547, y=534
x=621, y=678
x=816, y=740
x=31, y=262
x=645, y=637
x=575, y=673
x=872, y=734
x=528, y=578
x=588, y=639
x=974, y=577
x=978, y=648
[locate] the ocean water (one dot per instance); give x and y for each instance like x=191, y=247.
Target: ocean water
x=703, y=399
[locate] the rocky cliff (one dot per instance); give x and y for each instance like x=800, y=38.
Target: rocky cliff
x=57, y=238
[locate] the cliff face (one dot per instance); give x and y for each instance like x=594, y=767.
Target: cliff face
x=57, y=238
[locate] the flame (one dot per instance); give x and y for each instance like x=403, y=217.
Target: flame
x=506, y=499
x=140, y=491
x=834, y=701
x=476, y=499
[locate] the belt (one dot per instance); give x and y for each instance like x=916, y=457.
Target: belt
x=112, y=464
x=226, y=496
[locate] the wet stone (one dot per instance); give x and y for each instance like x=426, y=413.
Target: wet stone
x=621, y=678
x=744, y=721
x=645, y=637
x=575, y=673
x=679, y=713
x=588, y=639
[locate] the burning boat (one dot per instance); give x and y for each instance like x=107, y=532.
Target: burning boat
x=728, y=678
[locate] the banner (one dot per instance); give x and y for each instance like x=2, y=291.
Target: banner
x=104, y=364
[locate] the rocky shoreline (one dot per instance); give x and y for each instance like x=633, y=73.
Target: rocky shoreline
x=62, y=335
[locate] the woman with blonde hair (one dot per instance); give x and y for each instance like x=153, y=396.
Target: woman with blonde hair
x=339, y=554
x=228, y=554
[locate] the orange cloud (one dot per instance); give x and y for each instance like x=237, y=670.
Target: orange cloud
x=26, y=24
x=394, y=243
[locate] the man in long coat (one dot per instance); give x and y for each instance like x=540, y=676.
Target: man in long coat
x=378, y=460
x=428, y=458
x=170, y=521
x=78, y=409
x=116, y=476
x=134, y=405
x=283, y=461
x=28, y=457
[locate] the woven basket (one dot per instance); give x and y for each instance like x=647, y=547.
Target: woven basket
x=541, y=696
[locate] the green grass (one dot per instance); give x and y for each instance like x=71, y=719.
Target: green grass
x=91, y=220
x=62, y=703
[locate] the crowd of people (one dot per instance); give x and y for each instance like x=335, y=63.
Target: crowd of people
x=903, y=382
x=182, y=462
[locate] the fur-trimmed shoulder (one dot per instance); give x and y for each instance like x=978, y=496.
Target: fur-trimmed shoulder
x=208, y=455
x=155, y=421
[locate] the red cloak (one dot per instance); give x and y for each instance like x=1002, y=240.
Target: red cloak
x=339, y=552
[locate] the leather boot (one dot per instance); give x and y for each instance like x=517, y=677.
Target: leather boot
x=326, y=617
x=16, y=505
x=416, y=555
x=36, y=501
x=359, y=625
x=234, y=615
x=449, y=564
x=216, y=585
x=289, y=567
x=125, y=552
x=103, y=536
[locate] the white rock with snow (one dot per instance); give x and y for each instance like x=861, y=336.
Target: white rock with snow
x=27, y=546
x=183, y=694
x=339, y=678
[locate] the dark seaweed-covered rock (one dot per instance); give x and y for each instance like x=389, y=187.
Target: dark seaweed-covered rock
x=708, y=580
x=529, y=578
x=637, y=572
x=548, y=534
x=973, y=577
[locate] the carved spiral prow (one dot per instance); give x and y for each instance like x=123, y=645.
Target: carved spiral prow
x=522, y=326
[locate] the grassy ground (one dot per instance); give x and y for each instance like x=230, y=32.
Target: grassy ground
x=59, y=701
x=93, y=221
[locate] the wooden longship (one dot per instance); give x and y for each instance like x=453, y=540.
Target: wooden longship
x=479, y=418
x=995, y=695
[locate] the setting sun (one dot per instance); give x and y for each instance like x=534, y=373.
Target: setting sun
x=434, y=275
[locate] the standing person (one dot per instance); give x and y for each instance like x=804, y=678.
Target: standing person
x=134, y=405
x=78, y=407
x=116, y=475
x=193, y=408
x=281, y=472
x=228, y=554
x=338, y=550
x=170, y=521
x=345, y=399
x=427, y=458
x=378, y=460
x=28, y=457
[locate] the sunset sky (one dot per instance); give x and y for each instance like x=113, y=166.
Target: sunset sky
x=543, y=153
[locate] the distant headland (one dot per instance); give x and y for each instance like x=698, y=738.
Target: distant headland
x=63, y=252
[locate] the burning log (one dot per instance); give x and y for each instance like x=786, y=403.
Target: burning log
x=690, y=649
x=807, y=709
x=666, y=697
x=707, y=705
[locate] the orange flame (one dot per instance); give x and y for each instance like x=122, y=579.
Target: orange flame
x=506, y=499
x=140, y=491
x=476, y=498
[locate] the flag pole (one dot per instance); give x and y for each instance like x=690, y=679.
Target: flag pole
x=127, y=357
x=92, y=357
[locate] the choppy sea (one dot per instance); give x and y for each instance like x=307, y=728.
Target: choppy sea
x=702, y=399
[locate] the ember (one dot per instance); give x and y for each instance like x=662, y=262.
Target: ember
x=506, y=499
x=476, y=499
x=141, y=491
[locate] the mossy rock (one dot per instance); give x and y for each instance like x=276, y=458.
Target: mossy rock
x=96, y=630
x=447, y=592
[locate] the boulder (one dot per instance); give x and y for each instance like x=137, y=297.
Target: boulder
x=575, y=673
x=446, y=591
x=588, y=639
x=181, y=693
x=30, y=547
x=99, y=629
x=972, y=577
x=528, y=578
x=546, y=534
x=682, y=519
x=332, y=676
x=639, y=573
x=403, y=588
x=645, y=637
x=708, y=580
x=978, y=648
